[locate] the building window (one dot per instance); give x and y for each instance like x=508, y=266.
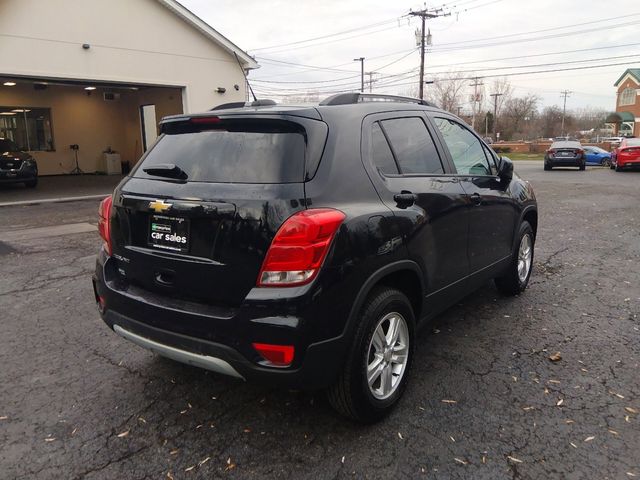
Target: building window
x=627, y=97
x=28, y=127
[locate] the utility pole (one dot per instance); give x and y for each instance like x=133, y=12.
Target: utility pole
x=371, y=74
x=424, y=14
x=495, y=112
x=476, y=83
x=565, y=94
x=361, y=60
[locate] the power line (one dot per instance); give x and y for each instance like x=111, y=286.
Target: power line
x=436, y=49
x=329, y=35
x=540, y=31
x=536, y=55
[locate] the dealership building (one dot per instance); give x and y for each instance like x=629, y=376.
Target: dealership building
x=100, y=75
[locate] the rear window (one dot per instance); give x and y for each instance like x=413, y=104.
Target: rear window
x=633, y=142
x=232, y=152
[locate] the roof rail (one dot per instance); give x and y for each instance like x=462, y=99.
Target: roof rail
x=258, y=103
x=351, y=98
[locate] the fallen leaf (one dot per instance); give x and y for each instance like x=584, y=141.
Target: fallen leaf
x=560, y=402
x=342, y=461
x=631, y=410
x=573, y=445
x=142, y=420
x=50, y=439
x=526, y=409
x=247, y=430
x=174, y=452
x=202, y=462
x=188, y=469
x=631, y=474
x=123, y=434
x=569, y=421
x=169, y=476
x=556, y=357
x=399, y=435
x=588, y=439
x=557, y=382
x=461, y=461
x=514, y=459
x=613, y=432
x=73, y=432
x=182, y=412
x=4, y=417
x=452, y=439
x=449, y=401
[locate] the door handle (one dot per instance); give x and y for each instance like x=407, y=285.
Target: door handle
x=405, y=198
x=476, y=198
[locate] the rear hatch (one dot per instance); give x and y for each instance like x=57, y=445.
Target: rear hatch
x=196, y=218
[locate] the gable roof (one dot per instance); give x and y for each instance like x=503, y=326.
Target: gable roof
x=632, y=72
x=185, y=14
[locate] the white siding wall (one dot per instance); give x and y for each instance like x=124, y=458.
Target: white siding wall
x=132, y=41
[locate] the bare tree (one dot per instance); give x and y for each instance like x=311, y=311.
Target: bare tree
x=518, y=115
x=503, y=88
x=447, y=91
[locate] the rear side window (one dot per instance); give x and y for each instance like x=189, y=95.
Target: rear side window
x=380, y=151
x=233, y=152
x=412, y=146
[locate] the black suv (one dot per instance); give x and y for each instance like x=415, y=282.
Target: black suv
x=302, y=246
x=17, y=166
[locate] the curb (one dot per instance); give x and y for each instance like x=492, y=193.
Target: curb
x=54, y=200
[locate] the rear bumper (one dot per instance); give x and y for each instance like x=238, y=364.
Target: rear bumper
x=628, y=163
x=564, y=162
x=224, y=343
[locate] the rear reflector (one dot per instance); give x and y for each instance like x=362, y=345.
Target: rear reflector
x=104, y=227
x=299, y=248
x=278, y=355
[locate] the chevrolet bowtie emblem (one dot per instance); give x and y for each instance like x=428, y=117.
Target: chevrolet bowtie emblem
x=159, y=206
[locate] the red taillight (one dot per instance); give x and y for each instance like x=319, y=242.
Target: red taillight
x=580, y=152
x=551, y=151
x=277, y=355
x=299, y=248
x=104, y=228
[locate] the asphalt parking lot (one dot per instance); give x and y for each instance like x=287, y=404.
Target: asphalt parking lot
x=484, y=399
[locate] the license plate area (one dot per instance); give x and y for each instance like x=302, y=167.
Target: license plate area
x=169, y=233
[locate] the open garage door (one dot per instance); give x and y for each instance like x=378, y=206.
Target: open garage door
x=46, y=117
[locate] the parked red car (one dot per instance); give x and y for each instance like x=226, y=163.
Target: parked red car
x=627, y=155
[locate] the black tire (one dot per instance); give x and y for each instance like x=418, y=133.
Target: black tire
x=351, y=395
x=31, y=183
x=510, y=283
x=618, y=169
x=547, y=167
x=612, y=166
x=582, y=167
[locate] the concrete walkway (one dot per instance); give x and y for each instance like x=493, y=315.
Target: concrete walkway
x=59, y=188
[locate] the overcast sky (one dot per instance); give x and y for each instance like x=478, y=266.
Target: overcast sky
x=492, y=33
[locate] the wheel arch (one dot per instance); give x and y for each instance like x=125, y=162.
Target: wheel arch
x=405, y=275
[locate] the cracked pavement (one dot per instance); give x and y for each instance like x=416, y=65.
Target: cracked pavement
x=484, y=400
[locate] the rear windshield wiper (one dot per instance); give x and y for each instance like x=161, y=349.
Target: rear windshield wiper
x=168, y=170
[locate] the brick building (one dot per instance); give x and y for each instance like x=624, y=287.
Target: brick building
x=626, y=118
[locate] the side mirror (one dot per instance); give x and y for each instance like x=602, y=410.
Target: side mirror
x=505, y=169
